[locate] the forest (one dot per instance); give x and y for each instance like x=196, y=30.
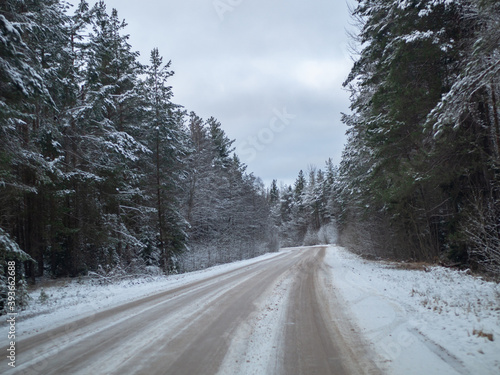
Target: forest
x=419, y=178
x=420, y=174
x=102, y=172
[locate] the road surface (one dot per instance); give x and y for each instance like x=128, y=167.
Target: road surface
x=275, y=316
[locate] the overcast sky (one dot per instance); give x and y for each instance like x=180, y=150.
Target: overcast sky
x=270, y=71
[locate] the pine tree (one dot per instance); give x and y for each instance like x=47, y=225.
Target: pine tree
x=274, y=193
x=299, y=187
x=222, y=144
x=21, y=79
x=166, y=139
x=33, y=58
x=107, y=117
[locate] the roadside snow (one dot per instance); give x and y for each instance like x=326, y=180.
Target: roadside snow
x=68, y=300
x=432, y=321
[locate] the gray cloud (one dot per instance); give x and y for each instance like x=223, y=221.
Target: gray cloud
x=242, y=60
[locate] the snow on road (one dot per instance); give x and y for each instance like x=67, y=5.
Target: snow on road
x=433, y=320
x=68, y=300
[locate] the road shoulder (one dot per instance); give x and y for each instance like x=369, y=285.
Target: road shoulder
x=419, y=321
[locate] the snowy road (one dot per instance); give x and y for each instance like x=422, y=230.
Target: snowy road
x=275, y=316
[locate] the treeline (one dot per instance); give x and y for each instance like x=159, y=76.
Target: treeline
x=303, y=213
x=420, y=176
x=99, y=169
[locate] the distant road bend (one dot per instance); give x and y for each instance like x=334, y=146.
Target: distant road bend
x=275, y=316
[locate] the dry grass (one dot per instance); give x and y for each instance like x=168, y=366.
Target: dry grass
x=480, y=333
x=412, y=266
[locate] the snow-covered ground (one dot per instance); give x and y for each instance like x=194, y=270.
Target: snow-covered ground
x=429, y=321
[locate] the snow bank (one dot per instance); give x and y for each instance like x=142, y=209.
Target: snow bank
x=434, y=320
